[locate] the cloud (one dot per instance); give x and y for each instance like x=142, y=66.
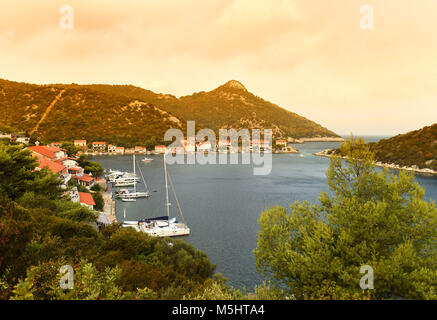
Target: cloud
x=288, y=51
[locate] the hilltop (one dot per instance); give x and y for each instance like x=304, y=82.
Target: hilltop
x=228, y=106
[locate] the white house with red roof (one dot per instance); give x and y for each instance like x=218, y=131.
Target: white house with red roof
x=281, y=142
x=55, y=168
x=140, y=150
x=99, y=146
x=260, y=145
x=85, y=180
x=51, y=153
x=86, y=199
x=160, y=149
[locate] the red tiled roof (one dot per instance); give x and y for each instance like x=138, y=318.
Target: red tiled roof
x=45, y=151
x=86, y=198
x=51, y=165
x=75, y=169
x=84, y=178
x=99, y=143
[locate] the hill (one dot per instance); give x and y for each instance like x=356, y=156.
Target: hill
x=228, y=106
x=416, y=148
x=128, y=115
x=82, y=113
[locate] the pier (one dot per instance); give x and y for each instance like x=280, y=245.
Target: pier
x=109, y=207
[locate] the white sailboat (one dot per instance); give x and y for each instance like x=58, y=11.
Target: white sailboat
x=125, y=194
x=163, y=226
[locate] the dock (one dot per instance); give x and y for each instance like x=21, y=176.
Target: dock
x=109, y=207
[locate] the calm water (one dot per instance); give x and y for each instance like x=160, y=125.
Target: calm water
x=222, y=203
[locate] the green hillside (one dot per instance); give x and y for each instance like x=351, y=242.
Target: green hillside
x=228, y=106
x=128, y=115
x=413, y=148
x=83, y=113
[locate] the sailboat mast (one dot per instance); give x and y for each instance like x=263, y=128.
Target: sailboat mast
x=135, y=184
x=166, y=189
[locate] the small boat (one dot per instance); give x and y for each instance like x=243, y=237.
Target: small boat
x=129, y=200
x=127, y=194
x=147, y=160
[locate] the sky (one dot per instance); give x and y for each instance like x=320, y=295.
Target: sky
x=312, y=57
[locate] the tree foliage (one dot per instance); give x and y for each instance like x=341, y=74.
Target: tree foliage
x=315, y=251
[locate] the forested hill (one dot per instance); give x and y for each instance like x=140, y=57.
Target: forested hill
x=60, y=113
x=230, y=105
x=413, y=148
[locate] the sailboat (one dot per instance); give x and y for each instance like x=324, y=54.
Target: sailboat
x=126, y=194
x=163, y=226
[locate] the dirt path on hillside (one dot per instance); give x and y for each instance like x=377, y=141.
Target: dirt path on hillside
x=48, y=110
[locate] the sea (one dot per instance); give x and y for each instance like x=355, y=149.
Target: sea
x=222, y=203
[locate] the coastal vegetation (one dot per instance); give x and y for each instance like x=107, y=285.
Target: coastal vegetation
x=310, y=251
x=369, y=218
x=40, y=231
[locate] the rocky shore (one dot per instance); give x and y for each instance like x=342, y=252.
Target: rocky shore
x=424, y=171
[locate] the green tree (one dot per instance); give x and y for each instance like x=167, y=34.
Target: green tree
x=71, y=148
x=315, y=251
x=92, y=167
x=98, y=199
x=18, y=175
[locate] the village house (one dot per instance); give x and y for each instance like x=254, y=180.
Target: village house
x=176, y=150
x=19, y=138
x=160, y=149
x=83, y=198
x=140, y=150
x=190, y=147
x=68, y=162
x=111, y=148
x=85, y=180
x=119, y=150
x=80, y=144
x=99, y=146
x=56, y=168
x=51, y=153
x=281, y=142
x=76, y=171
x=204, y=146
x=86, y=199
x=4, y=135
x=259, y=145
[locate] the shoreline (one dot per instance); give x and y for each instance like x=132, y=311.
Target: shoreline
x=425, y=171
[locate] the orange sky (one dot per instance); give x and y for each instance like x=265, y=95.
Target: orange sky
x=309, y=56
